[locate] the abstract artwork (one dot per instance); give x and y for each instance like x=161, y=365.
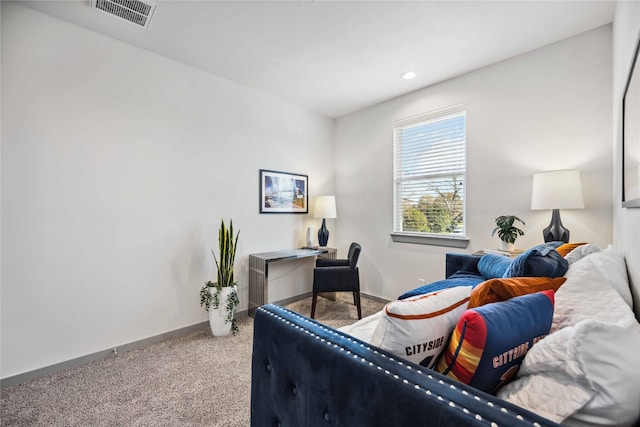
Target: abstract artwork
x=283, y=192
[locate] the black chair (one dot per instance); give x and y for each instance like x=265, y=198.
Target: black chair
x=338, y=275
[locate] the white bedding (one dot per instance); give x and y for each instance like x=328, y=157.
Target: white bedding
x=587, y=371
x=589, y=292
x=583, y=375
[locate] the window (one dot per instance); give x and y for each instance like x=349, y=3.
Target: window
x=429, y=176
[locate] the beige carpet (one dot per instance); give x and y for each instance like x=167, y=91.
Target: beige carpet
x=193, y=380
x=337, y=313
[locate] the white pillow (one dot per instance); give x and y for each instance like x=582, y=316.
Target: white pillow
x=418, y=328
x=581, y=252
x=588, y=292
x=363, y=328
x=584, y=375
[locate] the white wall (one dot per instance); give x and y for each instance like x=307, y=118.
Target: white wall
x=545, y=110
x=117, y=166
x=626, y=30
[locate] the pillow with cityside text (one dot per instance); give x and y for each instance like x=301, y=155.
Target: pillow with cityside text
x=489, y=342
x=417, y=328
x=502, y=289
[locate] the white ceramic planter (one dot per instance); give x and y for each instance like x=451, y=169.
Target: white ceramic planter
x=506, y=246
x=218, y=316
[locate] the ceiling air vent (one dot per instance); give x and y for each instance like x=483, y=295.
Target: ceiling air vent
x=135, y=11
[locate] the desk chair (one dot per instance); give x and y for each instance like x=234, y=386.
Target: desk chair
x=338, y=275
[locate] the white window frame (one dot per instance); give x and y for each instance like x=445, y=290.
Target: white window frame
x=438, y=239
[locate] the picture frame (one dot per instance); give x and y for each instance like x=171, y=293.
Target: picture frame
x=283, y=192
x=631, y=134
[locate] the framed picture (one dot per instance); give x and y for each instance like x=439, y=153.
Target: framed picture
x=631, y=135
x=283, y=192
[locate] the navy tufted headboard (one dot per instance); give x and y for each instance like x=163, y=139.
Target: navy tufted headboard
x=307, y=374
x=461, y=262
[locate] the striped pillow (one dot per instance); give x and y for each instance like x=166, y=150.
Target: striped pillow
x=417, y=328
x=489, y=342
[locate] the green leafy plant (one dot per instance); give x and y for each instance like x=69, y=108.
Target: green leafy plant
x=227, y=244
x=507, y=232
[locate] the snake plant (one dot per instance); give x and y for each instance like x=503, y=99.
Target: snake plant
x=227, y=247
x=227, y=244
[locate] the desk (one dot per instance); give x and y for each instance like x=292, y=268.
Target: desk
x=259, y=271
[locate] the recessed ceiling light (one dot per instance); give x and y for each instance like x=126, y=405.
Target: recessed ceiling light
x=408, y=75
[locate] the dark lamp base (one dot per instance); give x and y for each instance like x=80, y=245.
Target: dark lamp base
x=323, y=234
x=555, y=232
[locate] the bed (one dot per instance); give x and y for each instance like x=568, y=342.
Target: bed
x=585, y=370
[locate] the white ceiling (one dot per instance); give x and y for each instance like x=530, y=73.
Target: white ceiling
x=336, y=57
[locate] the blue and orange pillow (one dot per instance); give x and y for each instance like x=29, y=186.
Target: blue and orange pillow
x=489, y=342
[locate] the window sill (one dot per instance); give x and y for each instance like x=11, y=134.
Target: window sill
x=422, y=239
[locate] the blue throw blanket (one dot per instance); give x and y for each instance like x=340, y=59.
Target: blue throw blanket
x=461, y=278
x=539, y=261
x=491, y=266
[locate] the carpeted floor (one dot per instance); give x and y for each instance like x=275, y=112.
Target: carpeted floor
x=193, y=380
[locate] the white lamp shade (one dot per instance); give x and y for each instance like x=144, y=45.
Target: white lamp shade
x=325, y=207
x=557, y=190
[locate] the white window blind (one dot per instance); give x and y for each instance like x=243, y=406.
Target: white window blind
x=429, y=173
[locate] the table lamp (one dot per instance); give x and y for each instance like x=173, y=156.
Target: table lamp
x=325, y=207
x=556, y=190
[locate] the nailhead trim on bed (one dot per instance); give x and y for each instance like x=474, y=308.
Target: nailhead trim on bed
x=400, y=364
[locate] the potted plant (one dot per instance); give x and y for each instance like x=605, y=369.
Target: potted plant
x=507, y=232
x=220, y=299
